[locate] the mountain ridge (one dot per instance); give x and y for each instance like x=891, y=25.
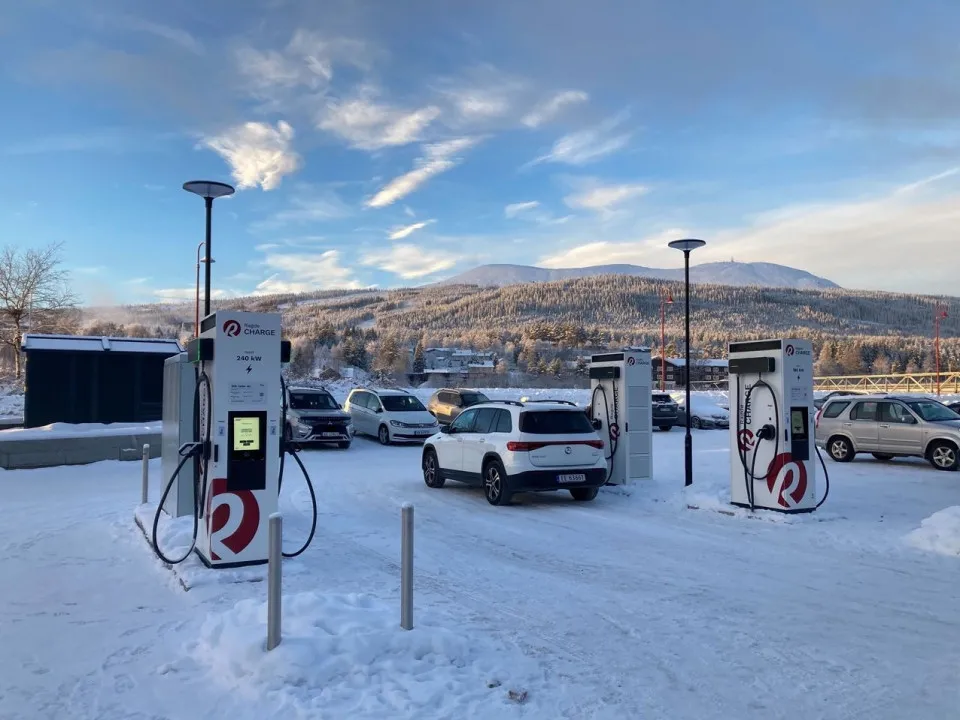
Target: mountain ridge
x=737, y=274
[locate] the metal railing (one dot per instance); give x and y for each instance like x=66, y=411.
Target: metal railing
x=891, y=383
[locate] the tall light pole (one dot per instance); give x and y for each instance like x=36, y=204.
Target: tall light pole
x=196, y=321
x=209, y=190
x=664, y=301
x=939, y=313
x=687, y=245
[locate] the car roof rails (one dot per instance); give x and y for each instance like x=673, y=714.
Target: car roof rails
x=553, y=402
x=507, y=402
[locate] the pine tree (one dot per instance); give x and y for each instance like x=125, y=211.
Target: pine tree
x=419, y=359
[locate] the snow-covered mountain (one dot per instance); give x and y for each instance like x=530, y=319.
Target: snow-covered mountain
x=720, y=273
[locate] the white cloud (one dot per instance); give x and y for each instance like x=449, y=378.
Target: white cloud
x=303, y=272
x=408, y=211
x=604, y=198
x=586, y=146
x=514, y=209
x=368, y=125
x=411, y=261
x=546, y=111
x=481, y=94
x=258, y=153
x=401, y=232
x=437, y=158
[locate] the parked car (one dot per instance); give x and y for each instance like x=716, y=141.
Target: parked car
x=511, y=447
x=446, y=404
x=389, y=415
x=666, y=411
x=704, y=414
x=889, y=426
x=955, y=406
x=820, y=402
x=314, y=416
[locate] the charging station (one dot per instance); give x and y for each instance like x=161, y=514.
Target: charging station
x=772, y=444
x=179, y=383
x=621, y=400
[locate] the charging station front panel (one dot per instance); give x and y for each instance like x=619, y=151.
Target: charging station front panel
x=780, y=471
x=241, y=493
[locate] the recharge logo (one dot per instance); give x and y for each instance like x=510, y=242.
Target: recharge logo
x=746, y=440
x=233, y=519
x=790, y=350
x=631, y=361
x=231, y=328
x=787, y=480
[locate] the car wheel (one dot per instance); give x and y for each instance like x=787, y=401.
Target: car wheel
x=432, y=475
x=696, y=423
x=665, y=428
x=495, y=484
x=584, y=494
x=343, y=445
x=883, y=456
x=840, y=449
x=383, y=435
x=943, y=456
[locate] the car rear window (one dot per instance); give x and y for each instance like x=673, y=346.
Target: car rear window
x=834, y=409
x=661, y=398
x=555, y=422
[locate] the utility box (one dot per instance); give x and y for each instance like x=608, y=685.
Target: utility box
x=772, y=444
x=179, y=385
x=621, y=400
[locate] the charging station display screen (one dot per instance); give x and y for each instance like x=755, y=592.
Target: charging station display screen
x=798, y=426
x=246, y=434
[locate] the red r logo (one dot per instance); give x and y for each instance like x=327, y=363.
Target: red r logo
x=787, y=480
x=231, y=328
x=746, y=440
x=233, y=519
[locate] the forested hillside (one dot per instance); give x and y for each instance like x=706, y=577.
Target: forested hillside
x=853, y=331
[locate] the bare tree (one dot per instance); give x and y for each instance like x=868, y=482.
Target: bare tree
x=34, y=295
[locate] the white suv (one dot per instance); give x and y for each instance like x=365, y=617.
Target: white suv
x=509, y=447
x=389, y=415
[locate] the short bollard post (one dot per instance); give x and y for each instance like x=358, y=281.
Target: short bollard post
x=275, y=561
x=145, y=475
x=406, y=566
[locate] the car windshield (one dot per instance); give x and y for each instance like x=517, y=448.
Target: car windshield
x=662, y=398
x=312, y=401
x=932, y=411
x=401, y=403
x=555, y=422
x=473, y=398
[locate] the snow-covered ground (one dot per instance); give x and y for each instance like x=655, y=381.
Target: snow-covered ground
x=78, y=430
x=633, y=606
x=11, y=402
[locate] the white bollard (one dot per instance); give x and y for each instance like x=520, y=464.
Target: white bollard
x=275, y=560
x=145, y=479
x=406, y=566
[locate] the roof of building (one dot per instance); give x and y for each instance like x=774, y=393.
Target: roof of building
x=702, y=362
x=83, y=343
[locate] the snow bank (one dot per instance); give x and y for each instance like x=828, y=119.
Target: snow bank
x=79, y=430
x=939, y=533
x=345, y=656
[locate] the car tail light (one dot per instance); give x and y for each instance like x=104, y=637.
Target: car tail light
x=816, y=419
x=518, y=446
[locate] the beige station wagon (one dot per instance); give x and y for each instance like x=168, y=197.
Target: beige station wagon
x=889, y=426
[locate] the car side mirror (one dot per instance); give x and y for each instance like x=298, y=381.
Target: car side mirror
x=597, y=424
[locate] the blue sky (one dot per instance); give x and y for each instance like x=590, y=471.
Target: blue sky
x=397, y=143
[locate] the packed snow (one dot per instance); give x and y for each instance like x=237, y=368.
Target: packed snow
x=654, y=600
x=939, y=533
x=79, y=430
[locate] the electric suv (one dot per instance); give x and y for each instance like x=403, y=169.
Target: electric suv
x=666, y=411
x=889, y=426
x=510, y=447
x=445, y=404
x=389, y=415
x=314, y=416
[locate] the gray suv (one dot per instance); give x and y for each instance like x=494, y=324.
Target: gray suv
x=446, y=404
x=314, y=416
x=889, y=426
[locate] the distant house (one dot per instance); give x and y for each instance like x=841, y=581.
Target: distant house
x=450, y=365
x=702, y=371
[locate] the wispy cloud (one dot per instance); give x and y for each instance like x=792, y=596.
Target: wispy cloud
x=302, y=272
x=258, y=153
x=586, y=146
x=185, y=293
x=604, y=198
x=410, y=262
x=368, y=125
x=481, y=94
x=549, y=109
x=308, y=204
x=437, y=158
x=514, y=209
x=401, y=232
x=130, y=23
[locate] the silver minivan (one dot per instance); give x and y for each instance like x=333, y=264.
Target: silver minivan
x=889, y=426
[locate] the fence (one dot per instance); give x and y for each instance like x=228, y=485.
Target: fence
x=892, y=383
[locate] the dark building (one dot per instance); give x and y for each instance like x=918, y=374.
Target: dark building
x=74, y=379
x=703, y=371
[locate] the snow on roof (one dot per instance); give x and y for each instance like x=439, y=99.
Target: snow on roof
x=85, y=343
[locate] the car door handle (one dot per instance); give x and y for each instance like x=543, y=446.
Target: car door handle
x=885, y=426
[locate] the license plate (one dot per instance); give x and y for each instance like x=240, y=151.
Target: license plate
x=331, y=434
x=574, y=478
x=424, y=432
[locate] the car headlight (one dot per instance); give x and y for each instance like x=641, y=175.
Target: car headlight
x=397, y=423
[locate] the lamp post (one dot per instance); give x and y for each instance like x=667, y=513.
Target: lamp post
x=687, y=245
x=209, y=190
x=196, y=330
x=939, y=313
x=664, y=301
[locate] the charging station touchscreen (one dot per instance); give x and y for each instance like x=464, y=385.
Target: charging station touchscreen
x=246, y=434
x=797, y=424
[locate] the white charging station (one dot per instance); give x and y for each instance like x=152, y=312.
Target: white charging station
x=772, y=444
x=620, y=391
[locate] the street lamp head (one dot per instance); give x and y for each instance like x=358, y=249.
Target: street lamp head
x=687, y=244
x=208, y=189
